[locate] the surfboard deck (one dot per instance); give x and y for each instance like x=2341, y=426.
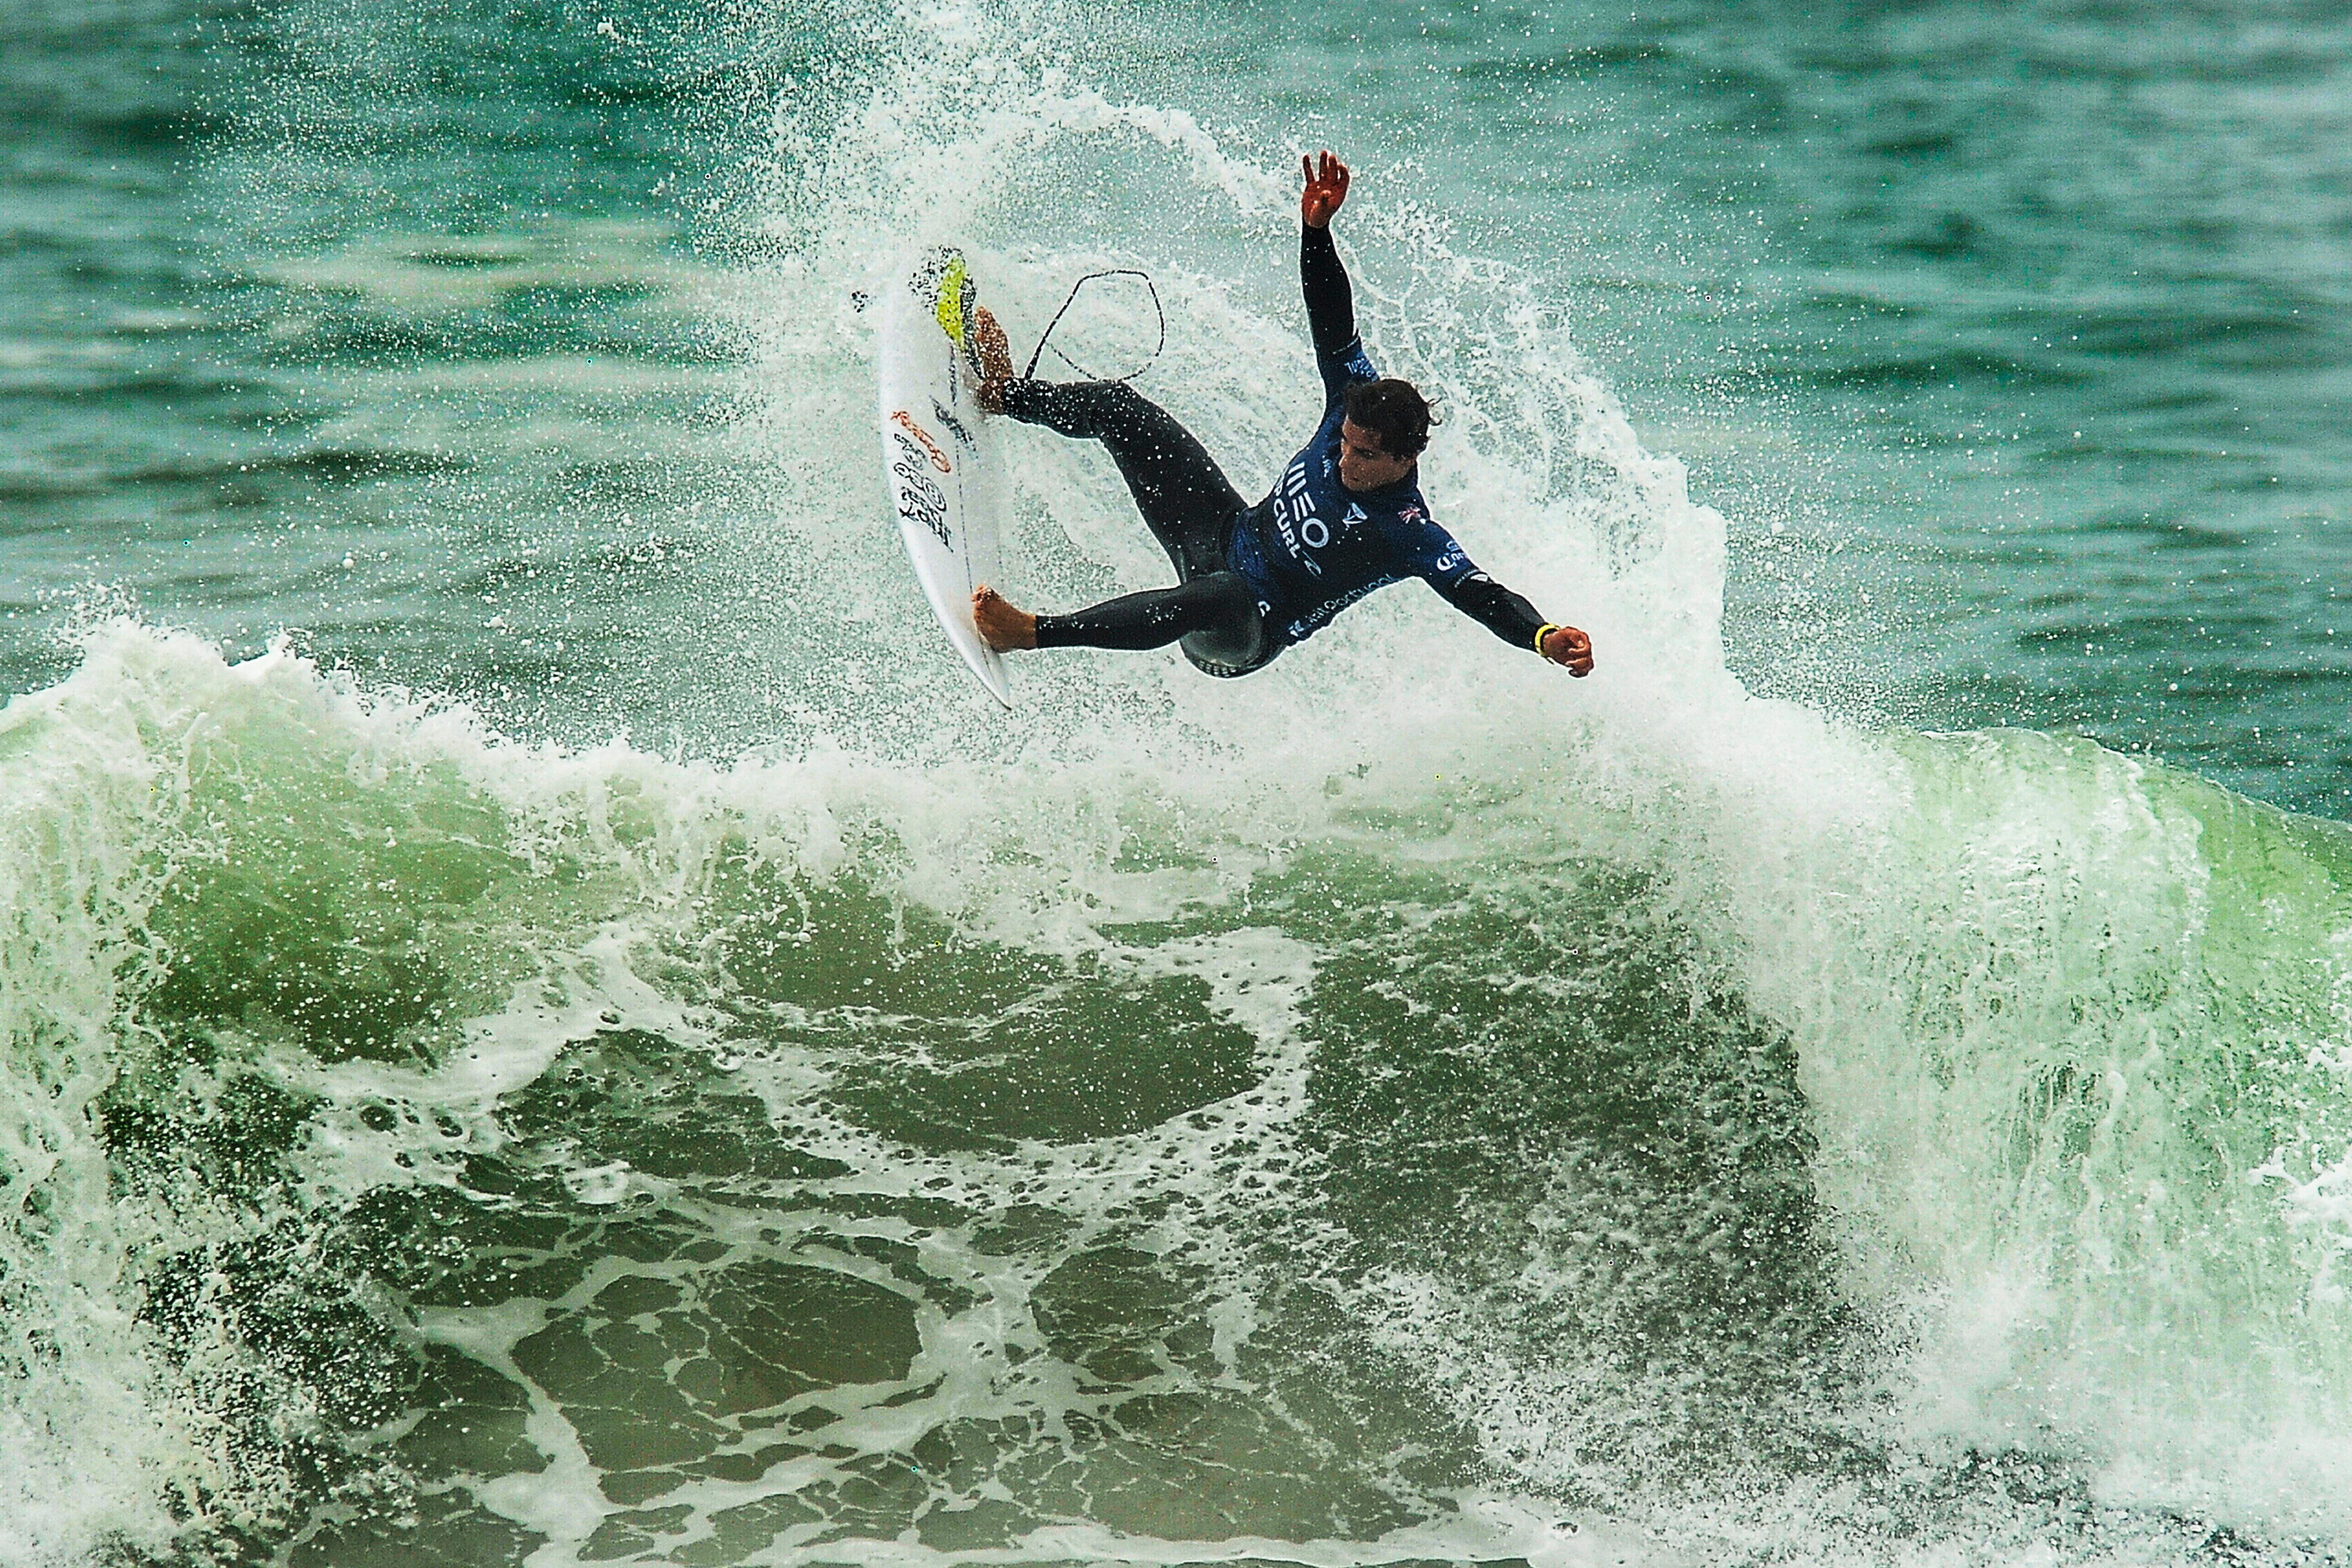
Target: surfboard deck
x=939, y=452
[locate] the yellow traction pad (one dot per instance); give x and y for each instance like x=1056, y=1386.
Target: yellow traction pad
x=943, y=281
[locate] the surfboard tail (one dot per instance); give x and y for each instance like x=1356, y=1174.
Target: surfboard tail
x=943, y=280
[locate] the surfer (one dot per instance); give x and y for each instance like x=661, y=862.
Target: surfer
x=1346, y=518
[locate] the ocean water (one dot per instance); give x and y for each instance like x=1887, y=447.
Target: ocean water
x=548, y=1022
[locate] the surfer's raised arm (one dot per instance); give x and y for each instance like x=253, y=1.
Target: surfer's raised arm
x=1323, y=279
x=1345, y=516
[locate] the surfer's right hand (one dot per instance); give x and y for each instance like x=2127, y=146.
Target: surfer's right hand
x=1326, y=188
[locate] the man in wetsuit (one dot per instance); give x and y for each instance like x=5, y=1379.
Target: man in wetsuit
x=1346, y=518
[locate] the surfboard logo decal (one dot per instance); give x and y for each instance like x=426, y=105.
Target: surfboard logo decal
x=955, y=426
x=905, y=422
x=921, y=499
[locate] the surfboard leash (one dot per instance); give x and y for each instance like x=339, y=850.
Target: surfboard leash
x=1045, y=337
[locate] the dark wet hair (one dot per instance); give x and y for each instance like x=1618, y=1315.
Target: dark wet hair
x=1396, y=412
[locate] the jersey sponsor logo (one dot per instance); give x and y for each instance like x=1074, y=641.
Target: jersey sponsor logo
x=1296, y=522
x=905, y=422
x=1356, y=513
x=1315, y=619
x=920, y=499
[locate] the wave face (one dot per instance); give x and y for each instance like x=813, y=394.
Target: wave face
x=420, y=1140
x=1404, y=1108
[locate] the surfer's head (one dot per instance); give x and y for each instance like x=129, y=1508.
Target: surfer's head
x=1387, y=425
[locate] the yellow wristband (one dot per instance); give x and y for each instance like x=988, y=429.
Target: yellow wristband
x=1542, y=632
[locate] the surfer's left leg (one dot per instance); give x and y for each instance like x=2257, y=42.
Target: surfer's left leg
x=1183, y=497
x=1002, y=625
x=1220, y=603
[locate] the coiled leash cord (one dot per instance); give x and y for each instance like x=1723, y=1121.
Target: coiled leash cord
x=1046, y=336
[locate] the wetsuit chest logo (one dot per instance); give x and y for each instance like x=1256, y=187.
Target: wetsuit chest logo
x=1294, y=519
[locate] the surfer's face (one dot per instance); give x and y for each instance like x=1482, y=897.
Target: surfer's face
x=1364, y=466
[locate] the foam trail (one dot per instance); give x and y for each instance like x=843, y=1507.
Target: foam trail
x=91, y=796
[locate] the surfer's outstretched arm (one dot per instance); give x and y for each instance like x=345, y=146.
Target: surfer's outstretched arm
x=1432, y=554
x=1516, y=621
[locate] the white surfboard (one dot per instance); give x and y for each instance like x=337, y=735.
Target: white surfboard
x=938, y=455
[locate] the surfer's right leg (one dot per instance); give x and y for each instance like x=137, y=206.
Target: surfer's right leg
x=1185, y=498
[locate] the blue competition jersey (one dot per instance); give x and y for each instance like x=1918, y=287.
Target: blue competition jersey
x=1312, y=548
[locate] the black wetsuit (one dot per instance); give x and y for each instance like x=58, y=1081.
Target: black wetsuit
x=1255, y=580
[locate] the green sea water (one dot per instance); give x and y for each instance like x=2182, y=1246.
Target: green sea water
x=547, y=1023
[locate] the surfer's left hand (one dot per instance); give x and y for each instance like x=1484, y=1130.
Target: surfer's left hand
x=1326, y=188
x=1567, y=646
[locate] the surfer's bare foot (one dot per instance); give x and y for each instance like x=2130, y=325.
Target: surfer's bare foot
x=1002, y=626
x=994, y=352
